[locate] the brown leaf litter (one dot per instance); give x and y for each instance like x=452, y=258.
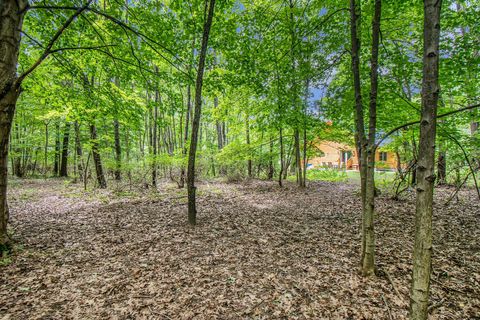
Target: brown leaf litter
x=258, y=252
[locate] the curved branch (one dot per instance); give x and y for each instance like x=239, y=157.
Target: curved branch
x=48, y=47
x=408, y=124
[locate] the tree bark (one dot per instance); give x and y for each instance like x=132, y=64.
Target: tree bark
x=271, y=169
x=298, y=158
x=192, y=210
x=154, y=135
x=102, y=183
x=78, y=150
x=45, y=159
x=64, y=159
x=187, y=117
x=118, y=150
x=247, y=132
x=422, y=252
x=366, y=146
x=11, y=13
x=56, y=165
x=282, y=151
x=442, y=167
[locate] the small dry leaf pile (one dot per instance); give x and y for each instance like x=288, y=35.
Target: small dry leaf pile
x=258, y=252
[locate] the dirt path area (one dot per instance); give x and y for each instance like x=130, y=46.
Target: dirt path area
x=258, y=252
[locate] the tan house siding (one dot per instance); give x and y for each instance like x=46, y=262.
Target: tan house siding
x=332, y=157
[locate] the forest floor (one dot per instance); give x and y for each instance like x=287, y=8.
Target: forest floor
x=258, y=252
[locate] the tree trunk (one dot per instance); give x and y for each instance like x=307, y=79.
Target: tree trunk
x=249, y=161
x=64, y=162
x=102, y=183
x=56, y=166
x=154, y=135
x=45, y=160
x=118, y=150
x=442, y=167
x=366, y=146
x=298, y=158
x=78, y=150
x=282, y=151
x=17, y=159
x=11, y=13
x=192, y=210
x=271, y=169
x=422, y=252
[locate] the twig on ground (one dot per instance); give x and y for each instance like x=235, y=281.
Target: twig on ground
x=388, y=308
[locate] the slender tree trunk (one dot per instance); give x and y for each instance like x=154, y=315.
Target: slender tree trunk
x=192, y=210
x=442, y=167
x=118, y=150
x=154, y=135
x=247, y=132
x=64, y=159
x=102, y=183
x=187, y=119
x=366, y=146
x=271, y=170
x=298, y=158
x=11, y=13
x=45, y=159
x=185, y=138
x=78, y=149
x=282, y=151
x=305, y=160
x=422, y=252
x=56, y=165
x=17, y=161
x=368, y=254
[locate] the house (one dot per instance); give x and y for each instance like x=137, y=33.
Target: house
x=340, y=155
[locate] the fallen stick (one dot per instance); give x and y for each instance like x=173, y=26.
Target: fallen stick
x=388, y=308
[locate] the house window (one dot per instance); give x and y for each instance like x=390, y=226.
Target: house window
x=383, y=156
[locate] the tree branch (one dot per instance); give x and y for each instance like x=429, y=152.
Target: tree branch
x=408, y=124
x=48, y=48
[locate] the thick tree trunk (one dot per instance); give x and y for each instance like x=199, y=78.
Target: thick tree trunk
x=422, y=252
x=64, y=160
x=11, y=13
x=118, y=150
x=102, y=183
x=7, y=107
x=192, y=210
